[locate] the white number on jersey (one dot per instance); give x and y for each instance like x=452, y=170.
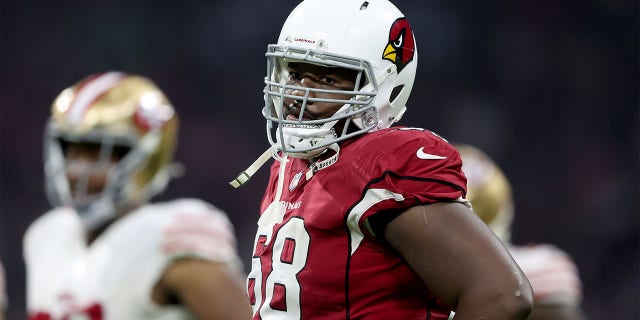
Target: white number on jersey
x=290, y=249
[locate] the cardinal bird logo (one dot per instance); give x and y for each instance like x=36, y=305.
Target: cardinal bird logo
x=400, y=47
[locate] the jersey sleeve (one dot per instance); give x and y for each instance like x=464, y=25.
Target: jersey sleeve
x=552, y=273
x=199, y=229
x=415, y=167
x=48, y=244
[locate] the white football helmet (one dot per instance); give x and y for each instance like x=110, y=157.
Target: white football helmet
x=119, y=113
x=488, y=190
x=372, y=37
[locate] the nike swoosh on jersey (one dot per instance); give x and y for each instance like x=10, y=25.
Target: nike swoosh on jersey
x=427, y=156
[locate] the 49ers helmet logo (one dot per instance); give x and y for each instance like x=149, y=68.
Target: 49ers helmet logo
x=400, y=47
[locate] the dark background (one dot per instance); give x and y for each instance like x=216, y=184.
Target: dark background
x=548, y=88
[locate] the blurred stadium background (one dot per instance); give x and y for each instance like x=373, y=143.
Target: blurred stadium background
x=547, y=88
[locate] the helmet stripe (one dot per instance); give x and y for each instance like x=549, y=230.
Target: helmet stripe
x=90, y=92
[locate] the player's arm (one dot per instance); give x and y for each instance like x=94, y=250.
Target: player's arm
x=205, y=273
x=460, y=259
x=209, y=289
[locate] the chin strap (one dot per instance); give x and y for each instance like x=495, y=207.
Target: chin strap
x=244, y=176
x=272, y=152
x=276, y=210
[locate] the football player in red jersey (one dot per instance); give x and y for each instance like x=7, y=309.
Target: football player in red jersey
x=105, y=251
x=361, y=220
x=553, y=274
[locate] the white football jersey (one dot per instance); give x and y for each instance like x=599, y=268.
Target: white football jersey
x=3, y=291
x=114, y=276
x=552, y=273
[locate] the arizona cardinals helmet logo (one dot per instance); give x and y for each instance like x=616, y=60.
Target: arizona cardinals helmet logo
x=400, y=47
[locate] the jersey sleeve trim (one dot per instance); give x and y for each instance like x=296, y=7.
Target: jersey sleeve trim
x=355, y=218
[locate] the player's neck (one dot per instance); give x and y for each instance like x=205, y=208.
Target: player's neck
x=94, y=234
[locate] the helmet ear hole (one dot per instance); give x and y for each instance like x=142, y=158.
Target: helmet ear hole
x=395, y=92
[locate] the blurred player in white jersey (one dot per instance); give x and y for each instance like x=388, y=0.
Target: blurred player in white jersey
x=105, y=251
x=362, y=219
x=4, y=301
x=552, y=273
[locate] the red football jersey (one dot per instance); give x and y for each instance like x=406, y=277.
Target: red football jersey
x=315, y=258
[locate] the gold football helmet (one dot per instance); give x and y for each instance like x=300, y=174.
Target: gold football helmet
x=488, y=190
x=117, y=112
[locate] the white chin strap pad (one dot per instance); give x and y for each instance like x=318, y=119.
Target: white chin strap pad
x=300, y=141
x=307, y=141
